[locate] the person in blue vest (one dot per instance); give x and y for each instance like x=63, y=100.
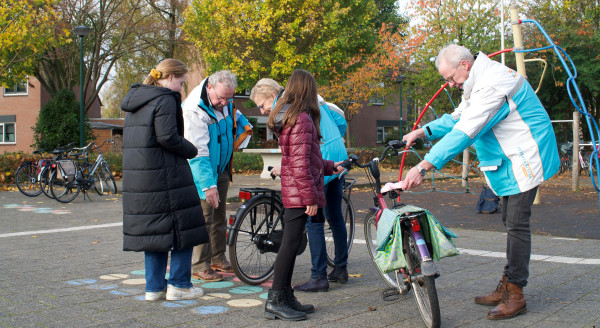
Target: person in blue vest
x=217, y=129
x=503, y=118
x=333, y=127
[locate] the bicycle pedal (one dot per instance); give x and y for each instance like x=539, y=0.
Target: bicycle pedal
x=390, y=294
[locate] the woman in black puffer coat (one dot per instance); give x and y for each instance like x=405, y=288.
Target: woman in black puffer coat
x=161, y=206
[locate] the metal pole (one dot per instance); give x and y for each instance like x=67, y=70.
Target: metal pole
x=81, y=100
x=401, y=116
x=575, y=158
x=502, y=30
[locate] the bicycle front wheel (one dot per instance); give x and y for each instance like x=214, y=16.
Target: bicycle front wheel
x=45, y=180
x=391, y=279
x=251, y=250
x=108, y=178
x=422, y=286
x=27, y=180
x=62, y=189
x=98, y=185
x=348, y=213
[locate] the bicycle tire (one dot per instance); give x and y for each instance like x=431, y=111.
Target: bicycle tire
x=251, y=264
x=108, y=178
x=45, y=181
x=390, y=278
x=98, y=184
x=27, y=180
x=62, y=190
x=423, y=287
x=348, y=212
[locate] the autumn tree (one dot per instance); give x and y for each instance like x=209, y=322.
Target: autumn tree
x=266, y=38
x=375, y=76
x=470, y=23
x=575, y=27
x=27, y=28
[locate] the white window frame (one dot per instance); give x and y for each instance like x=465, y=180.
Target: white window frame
x=377, y=100
x=382, y=134
x=14, y=92
x=3, y=135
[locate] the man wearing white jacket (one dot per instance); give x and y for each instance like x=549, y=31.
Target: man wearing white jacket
x=503, y=118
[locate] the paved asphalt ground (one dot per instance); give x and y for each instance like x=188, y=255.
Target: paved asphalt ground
x=62, y=266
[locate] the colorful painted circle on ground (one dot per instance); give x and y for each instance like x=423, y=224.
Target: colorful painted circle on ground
x=246, y=290
x=218, y=284
x=210, y=310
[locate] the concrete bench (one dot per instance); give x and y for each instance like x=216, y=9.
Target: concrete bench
x=270, y=157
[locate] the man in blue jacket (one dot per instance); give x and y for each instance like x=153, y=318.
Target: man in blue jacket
x=217, y=129
x=333, y=127
x=503, y=118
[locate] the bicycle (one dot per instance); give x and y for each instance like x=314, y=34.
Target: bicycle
x=586, y=163
x=420, y=273
x=27, y=176
x=256, y=230
x=46, y=172
x=73, y=176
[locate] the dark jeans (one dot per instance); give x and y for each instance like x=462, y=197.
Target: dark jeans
x=516, y=211
x=294, y=221
x=316, y=235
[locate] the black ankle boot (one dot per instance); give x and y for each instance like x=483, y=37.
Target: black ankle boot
x=276, y=307
x=339, y=274
x=291, y=300
x=314, y=285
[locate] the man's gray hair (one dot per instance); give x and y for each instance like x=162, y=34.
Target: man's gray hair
x=453, y=54
x=226, y=78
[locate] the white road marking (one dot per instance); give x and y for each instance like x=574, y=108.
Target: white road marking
x=38, y=232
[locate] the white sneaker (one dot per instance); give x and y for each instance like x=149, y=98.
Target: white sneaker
x=176, y=294
x=156, y=296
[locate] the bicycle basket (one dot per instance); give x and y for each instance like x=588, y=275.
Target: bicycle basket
x=66, y=170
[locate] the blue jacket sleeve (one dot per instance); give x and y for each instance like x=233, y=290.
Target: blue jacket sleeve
x=438, y=128
x=203, y=174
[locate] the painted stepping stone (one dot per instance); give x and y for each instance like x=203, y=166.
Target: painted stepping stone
x=210, y=310
x=244, y=303
x=139, y=272
x=102, y=287
x=218, y=284
x=246, y=290
x=264, y=296
x=134, y=281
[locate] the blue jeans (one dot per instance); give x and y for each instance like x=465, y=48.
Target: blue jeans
x=180, y=274
x=316, y=233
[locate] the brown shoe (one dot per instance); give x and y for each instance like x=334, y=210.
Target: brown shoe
x=494, y=298
x=512, y=304
x=208, y=275
x=223, y=267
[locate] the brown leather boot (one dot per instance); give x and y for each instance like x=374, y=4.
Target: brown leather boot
x=495, y=296
x=512, y=304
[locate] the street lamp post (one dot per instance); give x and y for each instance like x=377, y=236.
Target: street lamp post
x=81, y=32
x=401, y=79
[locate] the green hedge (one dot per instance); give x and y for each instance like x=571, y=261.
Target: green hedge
x=247, y=162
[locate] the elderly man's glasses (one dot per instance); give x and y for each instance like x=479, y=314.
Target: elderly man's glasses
x=451, y=78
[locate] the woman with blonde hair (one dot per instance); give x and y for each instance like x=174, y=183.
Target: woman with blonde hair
x=161, y=207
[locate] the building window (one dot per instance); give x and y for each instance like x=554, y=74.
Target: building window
x=18, y=90
x=7, y=133
x=386, y=133
x=378, y=100
x=243, y=94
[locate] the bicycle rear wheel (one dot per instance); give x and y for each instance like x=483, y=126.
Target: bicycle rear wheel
x=348, y=213
x=423, y=286
x=108, y=178
x=62, y=189
x=251, y=251
x=391, y=279
x=27, y=180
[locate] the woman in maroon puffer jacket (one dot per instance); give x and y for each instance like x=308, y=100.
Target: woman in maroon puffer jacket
x=295, y=119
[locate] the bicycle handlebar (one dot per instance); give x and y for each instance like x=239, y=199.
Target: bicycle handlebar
x=353, y=159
